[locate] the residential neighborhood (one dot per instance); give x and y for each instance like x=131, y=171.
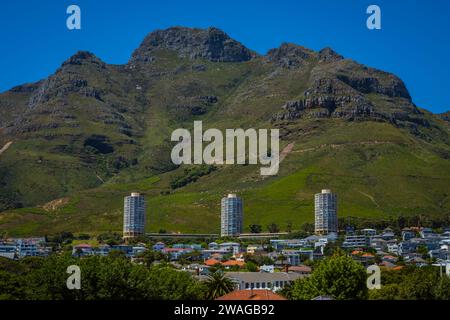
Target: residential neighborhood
x=251, y=261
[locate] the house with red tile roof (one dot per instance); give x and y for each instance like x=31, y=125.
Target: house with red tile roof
x=232, y=263
x=252, y=295
x=302, y=269
x=212, y=262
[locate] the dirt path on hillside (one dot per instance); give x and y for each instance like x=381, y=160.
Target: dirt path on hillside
x=5, y=147
x=337, y=146
x=370, y=197
x=283, y=154
x=286, y=151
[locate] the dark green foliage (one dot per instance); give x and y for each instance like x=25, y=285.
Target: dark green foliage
x=218, y=285
x=63, y=237
x=9, y=200
x=191, y=175
x=251, y=266
x=83, y=236
x=255, y=228
x=338, y=276
x=109, y=238
x=111, y=278
x=412, y=283
x=273, y=228
x=258, y=259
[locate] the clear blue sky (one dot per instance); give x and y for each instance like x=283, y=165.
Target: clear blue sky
x=414, y=41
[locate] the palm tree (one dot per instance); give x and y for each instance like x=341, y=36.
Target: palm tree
x=218, y=285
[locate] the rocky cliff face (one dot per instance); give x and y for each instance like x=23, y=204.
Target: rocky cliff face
x=342, y=88
x=211, y=44
x=90, y=120
x=290, y=56
x=334, y=87
x=69, y=79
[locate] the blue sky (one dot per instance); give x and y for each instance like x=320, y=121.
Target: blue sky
x=413, y=42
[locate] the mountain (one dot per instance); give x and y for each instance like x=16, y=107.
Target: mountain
x=73, y=144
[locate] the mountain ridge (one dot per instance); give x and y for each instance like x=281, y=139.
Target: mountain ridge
x=93, y=127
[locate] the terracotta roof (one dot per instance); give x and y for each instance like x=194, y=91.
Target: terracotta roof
x=252, y=295
x=398, y=268
x=231, y=263
x=300, y=269
x=367, y=255
x=212, y=262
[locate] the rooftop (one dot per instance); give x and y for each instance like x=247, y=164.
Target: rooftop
x=252, y=295
x=263, y=276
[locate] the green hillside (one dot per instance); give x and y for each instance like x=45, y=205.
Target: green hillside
x=92, y=133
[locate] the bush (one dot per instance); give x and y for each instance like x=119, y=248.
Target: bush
x=338, y=276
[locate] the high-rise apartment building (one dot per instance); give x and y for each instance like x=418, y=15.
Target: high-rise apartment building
x=325, y=212
x=133, y=216
x=231, y=216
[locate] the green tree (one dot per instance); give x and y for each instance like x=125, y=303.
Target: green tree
x=110, y=278
x=251, y=266
x=442, y=290
x=389, y=291
x=218, y=285
x=150, y=256
x=273, y=228
x=255, y=228
x=338, y=276
x=289, y=226
x=420, y=284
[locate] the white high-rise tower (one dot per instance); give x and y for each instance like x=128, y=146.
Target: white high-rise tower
x=231, y=216
x=325, y=212
x=133, y=216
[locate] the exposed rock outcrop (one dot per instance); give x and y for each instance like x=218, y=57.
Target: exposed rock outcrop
x=329, y=55
x=211, y=44
x=290, y=55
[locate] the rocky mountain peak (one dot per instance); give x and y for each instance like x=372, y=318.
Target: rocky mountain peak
x=329, y=55
x=212, y=44
x=445, y=116
x=289, y=55
x=82, y=58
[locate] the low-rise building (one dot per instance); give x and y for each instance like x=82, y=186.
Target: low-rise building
x=83, y=250
x=355, y=241
x=369, y=232
x=267, y=268
x=408, y=234
x=301, y=269
x=393, y=248
x=176, y=253
x=296, y=257
x=8, y=250
x=232, y=247
x=251, y=295
x=252, y=249
x=262, y=280
x=378, y=244
x=159, y=246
